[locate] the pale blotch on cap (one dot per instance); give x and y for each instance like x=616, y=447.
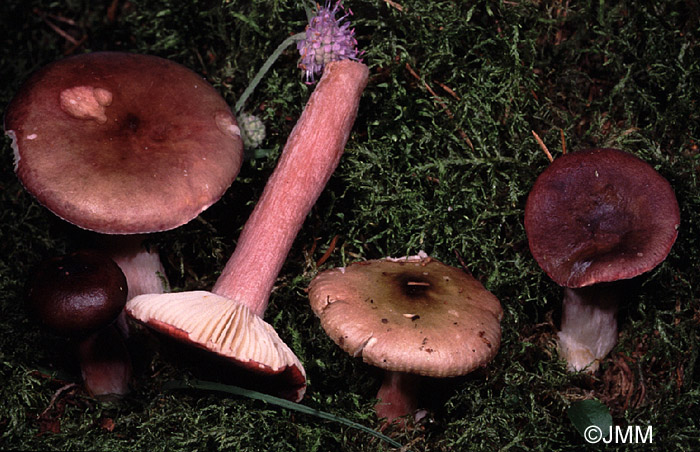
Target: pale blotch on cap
x=123, y=143
x=414, y=315
x=219, y=325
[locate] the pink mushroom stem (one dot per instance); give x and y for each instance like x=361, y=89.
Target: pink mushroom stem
x=105, y=363
x=308, y=160
x=397, y=397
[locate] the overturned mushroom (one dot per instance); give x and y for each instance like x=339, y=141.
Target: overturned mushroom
x=121, y=143
x=594, y=217
x=408, y=316
x=223, y=320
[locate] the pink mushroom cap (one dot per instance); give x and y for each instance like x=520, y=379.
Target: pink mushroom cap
x=123, y=143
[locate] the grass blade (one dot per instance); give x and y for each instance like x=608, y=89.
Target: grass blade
x=235, y=390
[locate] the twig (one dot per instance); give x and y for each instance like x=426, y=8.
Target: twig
x=462, y=263
x=440, y=102
x=394, y=5
x=543, y=146
x=448, y=90
x=630, y=131
x=60, y=391
x=313, y=247
x=563, y=141
x=71, y=49
x=329, y=251
x=62, y=33
x=56, y=17
x=112, y=11
x=75, y=43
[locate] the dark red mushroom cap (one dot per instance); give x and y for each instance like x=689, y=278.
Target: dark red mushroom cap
x=76, y=294
x=123, y=143
x=600, y=215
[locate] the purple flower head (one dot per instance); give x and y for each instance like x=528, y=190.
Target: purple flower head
x=327, y=39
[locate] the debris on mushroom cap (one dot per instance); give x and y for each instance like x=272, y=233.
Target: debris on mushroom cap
x=415, y=258
x=123, y=143
x=600, y=215
x=219, y=325
x=413, y=315
x=77, y=294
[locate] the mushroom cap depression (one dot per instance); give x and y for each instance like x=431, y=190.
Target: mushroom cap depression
x=123, y=143
x=413, y=314
x=600, y=215
x=228, y=329
x=76, y=294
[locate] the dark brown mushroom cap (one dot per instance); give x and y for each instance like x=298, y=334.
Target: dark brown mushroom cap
x=123, y=143
x=414, y=315
x=600, y=215
x=76, y=294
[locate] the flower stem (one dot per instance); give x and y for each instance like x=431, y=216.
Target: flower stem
x=266, y=67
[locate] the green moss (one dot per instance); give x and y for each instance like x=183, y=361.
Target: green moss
x=449, y=177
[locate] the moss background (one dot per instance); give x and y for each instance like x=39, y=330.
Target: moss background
x=441, y=159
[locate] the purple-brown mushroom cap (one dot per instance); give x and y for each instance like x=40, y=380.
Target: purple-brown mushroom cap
x=600, y=215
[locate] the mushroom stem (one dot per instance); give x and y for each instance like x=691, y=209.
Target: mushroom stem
x=105, y=363
x=397, y=396
x=588, y=326
x=142, y=267
x=310, y=156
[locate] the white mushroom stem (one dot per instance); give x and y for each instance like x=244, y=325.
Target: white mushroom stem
x=397, y=397
x=588, y=326
x=142, y=267
x=308, y=160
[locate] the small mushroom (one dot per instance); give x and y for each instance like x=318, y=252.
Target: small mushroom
x=594, y=217
x=228, y=320
x=409, y=316
x=79, y=296
x=124, y=144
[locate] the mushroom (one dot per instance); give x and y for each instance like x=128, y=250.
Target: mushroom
x=223, y=320
x=80, y=295
x=594, y=217
x=408, y=316
x=122, y=143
